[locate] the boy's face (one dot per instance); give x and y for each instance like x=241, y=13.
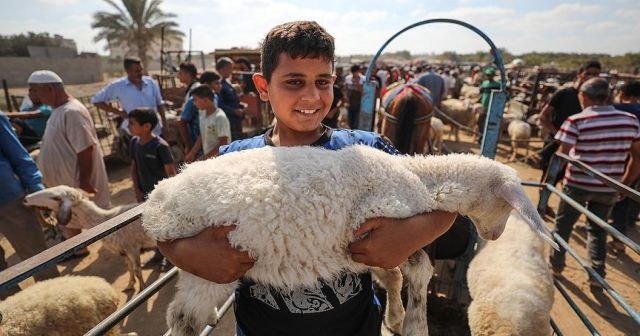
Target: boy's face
x=136, y=129
x=300, y=92
x=202, y=103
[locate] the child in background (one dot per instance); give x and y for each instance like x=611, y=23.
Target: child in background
x=151, y=156
x=215, y=129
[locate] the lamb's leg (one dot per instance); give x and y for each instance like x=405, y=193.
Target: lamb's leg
x=514, y=150
x=418, y=271
x=391, y=280
x=130, y=270
x=196, y=304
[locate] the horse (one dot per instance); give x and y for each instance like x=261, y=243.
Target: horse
x=406, y=112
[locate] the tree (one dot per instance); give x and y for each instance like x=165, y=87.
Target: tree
x=137, y=25
x=16, y=45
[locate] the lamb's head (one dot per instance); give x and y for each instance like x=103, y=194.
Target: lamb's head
x=483, y=189
x=60, y=199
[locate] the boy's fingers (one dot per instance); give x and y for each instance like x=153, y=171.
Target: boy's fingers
x=366, y=227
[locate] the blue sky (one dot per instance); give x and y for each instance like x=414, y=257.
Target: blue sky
x=611, y=26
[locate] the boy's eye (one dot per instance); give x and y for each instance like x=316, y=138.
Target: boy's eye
x=295, y=82
x=323, y=83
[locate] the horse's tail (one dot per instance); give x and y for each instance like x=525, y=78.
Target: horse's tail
x=406, y=109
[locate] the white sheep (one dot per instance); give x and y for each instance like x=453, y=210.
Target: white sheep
x=519, y=134
x=462, y=111
x=287, y=219
x=74, y=205
x=64, y=306
x=510, y=284
x=435, y=135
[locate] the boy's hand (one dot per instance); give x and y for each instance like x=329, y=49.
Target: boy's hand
x=391, y=241
x=208, y=255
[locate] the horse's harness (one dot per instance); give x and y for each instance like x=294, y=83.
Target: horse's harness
x=399, y=88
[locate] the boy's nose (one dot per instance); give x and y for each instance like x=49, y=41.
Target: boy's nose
x=311, y=93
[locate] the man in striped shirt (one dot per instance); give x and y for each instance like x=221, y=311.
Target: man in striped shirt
x=601, y=137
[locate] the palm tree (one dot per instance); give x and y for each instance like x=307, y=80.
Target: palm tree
x=137, y=25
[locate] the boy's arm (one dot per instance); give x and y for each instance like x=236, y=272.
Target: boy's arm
x=208, y=255
x=136, y=185
x=215, y=150
x=391, y=241
x=191, y=156
x=170, y=169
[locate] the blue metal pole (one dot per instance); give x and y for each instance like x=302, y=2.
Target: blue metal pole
x=498, y=97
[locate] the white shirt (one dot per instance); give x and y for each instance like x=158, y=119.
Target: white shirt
x=69, y=131
x=212, y=128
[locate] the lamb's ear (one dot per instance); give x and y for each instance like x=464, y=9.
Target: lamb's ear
x=516, y=197
x=63, y=216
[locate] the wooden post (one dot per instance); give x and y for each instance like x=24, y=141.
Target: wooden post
x=6, y=95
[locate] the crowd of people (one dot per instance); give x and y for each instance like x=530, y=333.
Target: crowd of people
x=307, y=97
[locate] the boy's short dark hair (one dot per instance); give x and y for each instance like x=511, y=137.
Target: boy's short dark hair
x=208, y=77
x=355, y=68
x=144, y=116
x=131, y=60
x=189, y=68
x=631, y=89
x=203, y=91
x=298, y=39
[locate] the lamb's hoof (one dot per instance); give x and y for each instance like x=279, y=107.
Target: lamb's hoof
x=395, y=329
x=129, y=288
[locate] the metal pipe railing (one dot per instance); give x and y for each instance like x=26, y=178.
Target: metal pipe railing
x=208, y=329
x=576, y=309
x=555, y=328
x=115, y=318
x=612, y=292
x=627, y=191
x=50, y=257
x=597, y=220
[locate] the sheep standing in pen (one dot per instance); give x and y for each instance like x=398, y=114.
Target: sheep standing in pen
x=74, y=205
x=519, y=134
x=435, y=135
x=297, y=225
x=64, y=306
x=510, y=284
x=462, y=111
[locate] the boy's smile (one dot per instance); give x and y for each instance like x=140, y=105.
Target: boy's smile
x=300, y=93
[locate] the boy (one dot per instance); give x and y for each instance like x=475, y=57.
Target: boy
x=215, y=129
x=151, y=156
x=189, y=118
x=297, y=79
x=485, y=90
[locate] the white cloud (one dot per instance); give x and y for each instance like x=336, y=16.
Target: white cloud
x=60, y=2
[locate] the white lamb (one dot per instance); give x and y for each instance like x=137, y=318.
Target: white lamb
x=462, y=111
x=519, y=134
x=283, y=201
x=510, y=284
x=64, y=306
x=74, y=205
x=435, y=135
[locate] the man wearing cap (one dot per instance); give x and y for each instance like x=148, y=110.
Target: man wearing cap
x=603, y=138
x=132, y=91
x=485, y=90
x=18, y=176
x=70, y=153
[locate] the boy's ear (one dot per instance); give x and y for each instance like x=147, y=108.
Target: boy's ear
x=261, y=86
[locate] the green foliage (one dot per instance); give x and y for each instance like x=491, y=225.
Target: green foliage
x=16, y=45
x=137, y=24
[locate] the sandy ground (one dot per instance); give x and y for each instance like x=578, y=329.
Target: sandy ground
x=604, y=313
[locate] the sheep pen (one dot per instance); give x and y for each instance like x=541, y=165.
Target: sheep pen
x=289, y=203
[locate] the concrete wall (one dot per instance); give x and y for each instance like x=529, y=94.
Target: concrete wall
x=16, y=70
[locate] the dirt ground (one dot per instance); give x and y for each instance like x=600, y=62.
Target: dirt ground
x=604, y=313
